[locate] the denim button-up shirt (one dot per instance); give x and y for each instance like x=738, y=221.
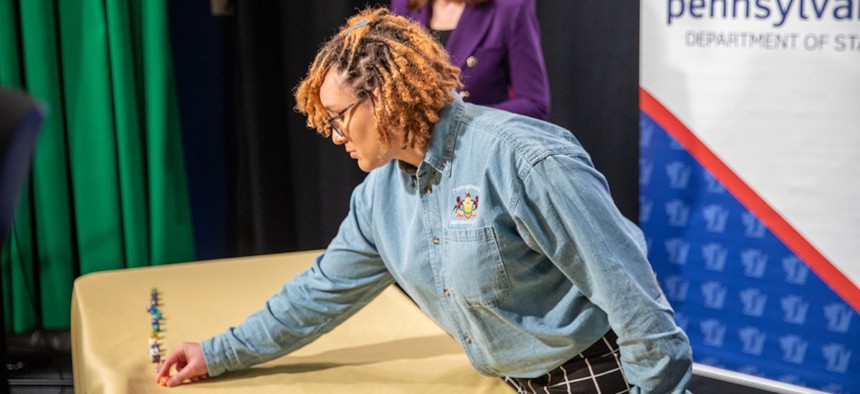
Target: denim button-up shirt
x=507, y=237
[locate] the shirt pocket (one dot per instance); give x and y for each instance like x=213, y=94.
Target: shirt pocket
x=474, y=270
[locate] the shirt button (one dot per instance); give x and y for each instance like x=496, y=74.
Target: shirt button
x=468, y=339
x=436, y=241
x=464, y=94
x=446, y=293
x=471, y=61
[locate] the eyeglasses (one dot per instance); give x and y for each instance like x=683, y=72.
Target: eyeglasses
x=332, y=120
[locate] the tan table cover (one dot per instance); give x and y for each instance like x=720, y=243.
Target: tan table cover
x=390, y=346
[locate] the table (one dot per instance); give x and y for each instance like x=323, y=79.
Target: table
x=390, y=346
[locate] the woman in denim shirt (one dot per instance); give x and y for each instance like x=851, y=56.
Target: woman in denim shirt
x=497, y=225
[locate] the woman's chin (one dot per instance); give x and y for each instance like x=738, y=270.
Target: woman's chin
x=365, y=166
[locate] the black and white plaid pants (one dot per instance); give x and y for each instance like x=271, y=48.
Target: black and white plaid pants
x=595, y=370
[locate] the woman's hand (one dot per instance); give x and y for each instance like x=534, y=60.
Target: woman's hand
x=190, y=365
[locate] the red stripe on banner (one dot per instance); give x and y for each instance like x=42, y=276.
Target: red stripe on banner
x=752, y=201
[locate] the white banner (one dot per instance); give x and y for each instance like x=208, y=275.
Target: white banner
x=764, y=97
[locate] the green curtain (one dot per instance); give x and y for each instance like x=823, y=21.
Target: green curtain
x=108, y=186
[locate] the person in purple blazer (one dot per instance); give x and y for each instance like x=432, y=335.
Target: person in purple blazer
x=496, y=44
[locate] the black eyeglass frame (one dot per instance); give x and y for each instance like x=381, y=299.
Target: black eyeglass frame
x=333, y=119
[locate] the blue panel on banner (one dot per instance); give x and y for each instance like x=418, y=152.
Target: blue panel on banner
x=747, y=302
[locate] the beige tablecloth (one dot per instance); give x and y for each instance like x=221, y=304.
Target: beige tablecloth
x=388, y=347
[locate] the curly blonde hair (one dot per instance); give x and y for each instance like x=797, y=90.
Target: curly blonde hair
x=379, y=52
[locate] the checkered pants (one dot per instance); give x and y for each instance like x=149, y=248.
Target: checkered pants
x=595, y=370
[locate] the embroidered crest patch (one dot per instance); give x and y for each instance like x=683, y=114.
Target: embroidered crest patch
x=466, y=207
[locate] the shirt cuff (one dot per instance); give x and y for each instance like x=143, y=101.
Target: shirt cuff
x=216, y=354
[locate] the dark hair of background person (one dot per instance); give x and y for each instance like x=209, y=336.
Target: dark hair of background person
x=260, y=182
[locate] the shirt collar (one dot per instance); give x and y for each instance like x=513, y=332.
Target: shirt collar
x=440, y=148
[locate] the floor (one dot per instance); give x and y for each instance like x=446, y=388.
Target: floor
x=41, y=362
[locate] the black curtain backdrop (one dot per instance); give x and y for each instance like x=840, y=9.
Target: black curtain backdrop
x=292, y=187
x=288, y=189
x=591, y=49
x=200, y=43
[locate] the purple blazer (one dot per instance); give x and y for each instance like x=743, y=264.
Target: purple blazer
x=497, y=46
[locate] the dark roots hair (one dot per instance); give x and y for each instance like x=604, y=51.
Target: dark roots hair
x=398, y=60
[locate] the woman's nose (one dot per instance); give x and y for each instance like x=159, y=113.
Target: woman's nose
x=337, y=139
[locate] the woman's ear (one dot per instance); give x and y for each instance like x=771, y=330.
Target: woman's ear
x=374, y=98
